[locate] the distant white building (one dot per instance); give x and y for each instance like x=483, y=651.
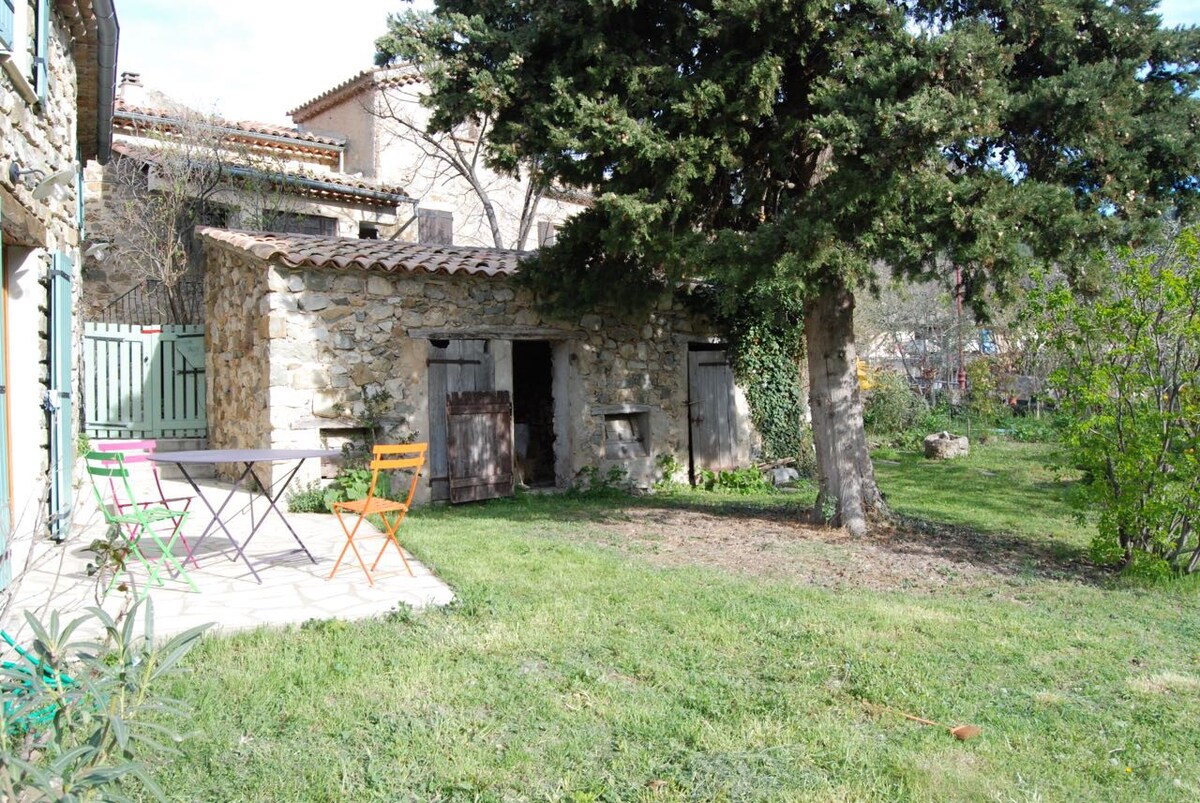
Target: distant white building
x=299, y=181
x=379, y=115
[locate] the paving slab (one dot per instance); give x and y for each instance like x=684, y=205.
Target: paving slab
x=293, y=589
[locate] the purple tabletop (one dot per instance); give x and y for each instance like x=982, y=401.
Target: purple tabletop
x=241, y=455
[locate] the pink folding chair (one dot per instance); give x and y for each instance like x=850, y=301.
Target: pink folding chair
x=134, y=452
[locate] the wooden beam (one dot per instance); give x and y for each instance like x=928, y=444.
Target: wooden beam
x=497, y=333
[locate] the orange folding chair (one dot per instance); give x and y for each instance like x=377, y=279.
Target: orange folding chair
x=406, y=457
x=138, y=453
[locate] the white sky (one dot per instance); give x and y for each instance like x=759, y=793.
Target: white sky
x=256, y=59
x=249, y=59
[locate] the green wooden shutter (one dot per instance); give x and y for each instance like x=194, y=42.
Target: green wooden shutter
x=41, y=60
x=5, y=500
x=7, y=25
x=58, y=402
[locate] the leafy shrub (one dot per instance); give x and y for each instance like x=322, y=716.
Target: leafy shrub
x=983, y=392
x=1027, y=429
x=308, y=499
x=87, y=715
x=747, y=480
x=590, y=481
x=1129, y=388
x=892, y=407
x=670, y=467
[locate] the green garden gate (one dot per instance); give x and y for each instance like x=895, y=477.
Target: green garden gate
x=144, y=381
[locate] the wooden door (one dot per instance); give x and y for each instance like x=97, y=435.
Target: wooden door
x=479, y=445
x=455, y=366
x=712, y=412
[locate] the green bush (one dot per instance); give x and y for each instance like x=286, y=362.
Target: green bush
x=80, y=718
x=590, y=481
x=984, y=404
x=747, y=480
x=892, y=406
x=308, y=499
x=1129, y=391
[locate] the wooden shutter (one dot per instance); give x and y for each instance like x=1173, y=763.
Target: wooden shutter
x=41, y=59
x=5, y=485
x=479, y=431
x=454, y=366
x=58, y=402
x=435, y=227
x=7, y=25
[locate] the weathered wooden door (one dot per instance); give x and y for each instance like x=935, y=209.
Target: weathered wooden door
x=712, y=411
x=479, y=445
x=455, y=366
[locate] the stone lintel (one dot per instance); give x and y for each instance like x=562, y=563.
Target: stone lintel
x=495, y=333
x=620, y=409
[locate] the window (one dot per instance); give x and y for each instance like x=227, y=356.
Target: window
x=7, y=21
x=435, y=227
x=296, y=223
x=25, y=45
x=547, y=233
x=626, y=434
x=367, y=231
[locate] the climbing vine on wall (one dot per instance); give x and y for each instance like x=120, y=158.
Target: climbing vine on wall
x=766, y=340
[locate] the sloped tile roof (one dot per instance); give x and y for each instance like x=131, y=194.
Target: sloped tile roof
x=341, y=184
x=247, y=127
x=345, y=253
x=377, y=76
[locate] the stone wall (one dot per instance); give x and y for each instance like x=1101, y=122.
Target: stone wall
x=291, y=352
x=43, y=136
x=237, y=344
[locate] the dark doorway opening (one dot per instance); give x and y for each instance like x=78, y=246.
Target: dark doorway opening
x=533, y=412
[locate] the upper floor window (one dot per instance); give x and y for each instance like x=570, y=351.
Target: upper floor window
x=547, y=233
x=7, y=25
x=25, y=42
x=296, y=223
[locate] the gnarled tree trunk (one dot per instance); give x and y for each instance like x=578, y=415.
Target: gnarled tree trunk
x=847, y=480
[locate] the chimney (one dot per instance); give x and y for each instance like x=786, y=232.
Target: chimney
x=130, y=90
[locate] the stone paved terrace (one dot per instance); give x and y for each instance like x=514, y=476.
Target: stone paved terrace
x=293, y=589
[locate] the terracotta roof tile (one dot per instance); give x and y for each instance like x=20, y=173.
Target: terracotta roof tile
x=250, y=128
x=389, y=256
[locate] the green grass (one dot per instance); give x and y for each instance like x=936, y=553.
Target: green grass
x=1002, y=486
x=568, y=670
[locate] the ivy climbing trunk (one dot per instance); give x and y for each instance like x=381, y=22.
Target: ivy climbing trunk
x=846, y=478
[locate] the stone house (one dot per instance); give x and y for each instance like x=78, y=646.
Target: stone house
x=57, y=61
x=301, y=327
x=270, y=177
x=380, y=116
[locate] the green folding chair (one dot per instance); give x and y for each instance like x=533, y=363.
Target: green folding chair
x=133, y=521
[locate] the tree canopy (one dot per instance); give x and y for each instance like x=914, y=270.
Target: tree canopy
x=813, y=138
x=752, y=141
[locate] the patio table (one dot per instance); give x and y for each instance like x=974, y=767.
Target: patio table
x=248, y=458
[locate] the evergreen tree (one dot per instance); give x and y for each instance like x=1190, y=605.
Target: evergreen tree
x=801, y=143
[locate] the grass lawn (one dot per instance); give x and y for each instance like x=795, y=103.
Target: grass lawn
x=611, y=650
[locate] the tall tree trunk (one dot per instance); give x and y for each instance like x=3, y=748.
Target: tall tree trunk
x=847, y=480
